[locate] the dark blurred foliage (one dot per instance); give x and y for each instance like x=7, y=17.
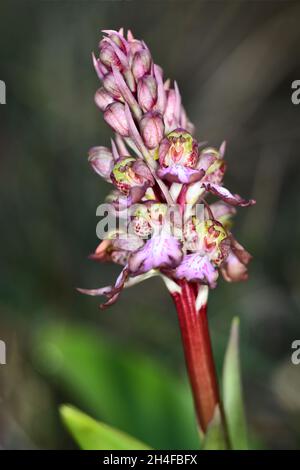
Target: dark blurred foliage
x=234, y=62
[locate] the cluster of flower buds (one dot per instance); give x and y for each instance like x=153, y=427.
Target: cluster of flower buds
x=130, y=78
x=155, y=163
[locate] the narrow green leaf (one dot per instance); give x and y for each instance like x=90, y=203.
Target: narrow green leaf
x=214, y=437
x=117, y=385
x=232, y=391
x=94, y=435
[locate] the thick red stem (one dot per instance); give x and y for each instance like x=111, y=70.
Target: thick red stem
x=198, y=353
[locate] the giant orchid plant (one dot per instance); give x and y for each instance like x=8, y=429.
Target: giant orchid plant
x=157, y=167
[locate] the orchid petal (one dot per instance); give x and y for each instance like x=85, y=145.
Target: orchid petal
x=158, y=252
x=233, y=270
x=180, y=174
x=220, y=209
x=195, y=267
x=128, y=242
x=239, y=251
x=227, y=196
x=111, y=292
x=123, y=282
x=194, y=192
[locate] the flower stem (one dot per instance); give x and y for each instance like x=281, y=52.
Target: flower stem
x=198, y=354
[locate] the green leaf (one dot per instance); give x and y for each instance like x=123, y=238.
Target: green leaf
x=118, y=386
x=232, y=391
x=94, y=435
x=214, y=437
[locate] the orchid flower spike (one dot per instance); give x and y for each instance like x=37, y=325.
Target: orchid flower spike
x=156, y=158
x=160, y=175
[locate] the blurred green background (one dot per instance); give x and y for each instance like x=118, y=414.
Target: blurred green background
x=234, y=62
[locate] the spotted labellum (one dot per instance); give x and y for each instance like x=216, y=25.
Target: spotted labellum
x=160, y=173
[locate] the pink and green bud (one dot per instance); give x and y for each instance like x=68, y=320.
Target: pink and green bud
x=111, y=86
x=115, y=117
x=118, y=38
x=108, y=55
x=147, y=92
x=103, y=98
x=135, y=45
x=129, y=174
x=216, y=170
x=152, y=129
x=101, y=160
x=141, y=63
x=123, y=177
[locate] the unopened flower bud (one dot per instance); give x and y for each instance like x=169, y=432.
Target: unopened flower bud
x=152, y=129
x=111, y=87
x=147, y=92
x=141, y=63
x=115, y=117
x=103, y=98
x=215, y=171
x=108, y=56
x=129, y=174
x=118, y=39
x=135, y=45
x=100, y=68
x=170, y=111
x=101, y=160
